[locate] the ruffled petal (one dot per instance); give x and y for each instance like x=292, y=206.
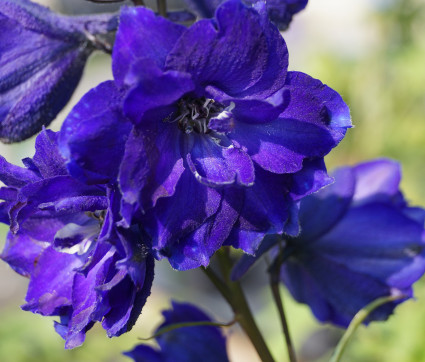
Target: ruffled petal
x=49, y=193
x=314, y=103
x=255, y=65
x=311, y=178
x=152, y=165
x=195, y=202
x=197, y=248
x=314, y=121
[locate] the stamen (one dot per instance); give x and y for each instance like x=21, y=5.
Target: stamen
x=195, y=114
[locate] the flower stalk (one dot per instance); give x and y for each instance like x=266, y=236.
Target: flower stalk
x=279, y=304
x=274, y=272
x=357, y=321
x=235, y=296
x=162, y=8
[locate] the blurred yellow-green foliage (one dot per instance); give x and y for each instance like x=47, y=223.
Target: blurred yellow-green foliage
x=373, y=53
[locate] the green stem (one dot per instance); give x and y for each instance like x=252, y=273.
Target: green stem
x=162, y=8
x=279, y=304
x=274, y=273
x=221, y=287
x=235, y=296
x=357, y=321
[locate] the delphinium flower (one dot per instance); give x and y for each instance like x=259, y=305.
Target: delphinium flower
x=280, y=12
x=224, y=140
x=359, y=241
x=184, y=344
x=64, y=237
x=42, y=56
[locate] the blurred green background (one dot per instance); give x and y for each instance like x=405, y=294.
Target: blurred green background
x=373, y=53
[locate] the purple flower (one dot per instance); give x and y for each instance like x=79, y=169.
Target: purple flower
x=280, y=12
x=64, y=237
x=359, y=241
x=42, y=56
x=224, y=140
x=185, y=344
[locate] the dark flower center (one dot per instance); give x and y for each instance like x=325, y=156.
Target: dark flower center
x=194, y=115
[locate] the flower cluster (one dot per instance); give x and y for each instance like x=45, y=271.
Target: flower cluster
x=64, y=237
x=221, y=140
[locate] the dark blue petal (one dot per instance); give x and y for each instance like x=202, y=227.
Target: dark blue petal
x=333, y=292
x=214, y=165
x=186, y=344
x=351, y=252
x=20, y=252
x=378, y=240
x=15, y=176
x=280, y=12
x=152, y=165
x=142, y=34
x=42, y=59
x=247, y=261
x=153, y=89
x=197, y=248
x=143, y=353
x=47, y=159
x=93, y=136
x=195, y=204
x=50, y=283
x=321, y=211
x=255, y=65
x=266, y=210
x=311, y=178
x=50, y=192
x=314, y=121
x=377, y=180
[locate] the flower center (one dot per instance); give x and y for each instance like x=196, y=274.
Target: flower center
x=194, y=115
